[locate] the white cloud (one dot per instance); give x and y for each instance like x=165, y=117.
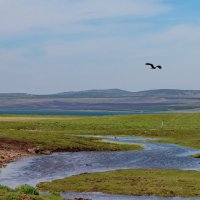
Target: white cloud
x=21, y=16
x=104, y=58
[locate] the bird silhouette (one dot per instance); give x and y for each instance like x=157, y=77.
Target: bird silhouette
x=154, y=67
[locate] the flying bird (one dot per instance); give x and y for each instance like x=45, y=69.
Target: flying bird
x=154, y=67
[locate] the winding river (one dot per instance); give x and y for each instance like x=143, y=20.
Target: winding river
x=32, y=170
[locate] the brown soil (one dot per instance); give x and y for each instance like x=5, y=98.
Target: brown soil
x=26, y=197
x=11, y=150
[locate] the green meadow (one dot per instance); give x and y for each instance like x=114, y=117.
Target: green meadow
x=56, y=133
x=51, y=131
x=166, y=183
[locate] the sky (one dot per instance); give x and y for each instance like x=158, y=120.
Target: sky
x=51, y=46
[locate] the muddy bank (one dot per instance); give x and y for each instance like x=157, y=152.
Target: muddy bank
x=11, y=150
x=7, y=156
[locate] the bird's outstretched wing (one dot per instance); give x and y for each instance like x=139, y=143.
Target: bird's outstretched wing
x=159, y=67
x=152, y=66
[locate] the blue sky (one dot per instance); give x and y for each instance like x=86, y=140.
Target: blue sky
x=54, y=46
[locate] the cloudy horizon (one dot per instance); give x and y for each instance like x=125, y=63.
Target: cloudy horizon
x=54, y=46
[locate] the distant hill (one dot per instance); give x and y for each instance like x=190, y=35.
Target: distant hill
x=162, y=100
x=163, y=92
x=110, y=93
x=117, y=93
x=169, y=93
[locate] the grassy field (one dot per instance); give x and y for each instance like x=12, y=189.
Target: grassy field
x=50, y=131
x=25, y=193
x=167, y=183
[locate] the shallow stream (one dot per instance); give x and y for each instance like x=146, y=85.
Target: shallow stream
x=32, y=170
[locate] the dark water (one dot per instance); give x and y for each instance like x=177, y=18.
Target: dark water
x=68, y=112
x=36, y=169
x=101, y=196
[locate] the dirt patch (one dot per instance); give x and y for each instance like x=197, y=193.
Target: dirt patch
x=11, y=150
x=12, y=144
x=26, y=197
x=7, y=156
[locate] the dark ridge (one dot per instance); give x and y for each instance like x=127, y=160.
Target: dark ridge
x=109, y=93
x=107, y=100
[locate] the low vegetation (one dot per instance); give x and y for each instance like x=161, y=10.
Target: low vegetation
x=197, y=155
x=56, y=134
x=25, y=192
x=50, y=131
x=167, y=183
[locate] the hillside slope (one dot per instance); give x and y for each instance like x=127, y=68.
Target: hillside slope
x=112, y=99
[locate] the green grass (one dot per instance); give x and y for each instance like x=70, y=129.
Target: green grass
x=27, y=189
x=50, y=131
x=197, y=155
x=25, y=192
x=167, y=183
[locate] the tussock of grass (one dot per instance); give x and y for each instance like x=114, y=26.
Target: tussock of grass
x=167, y=183
x=25, y=192
x=27, y=189
x=197, y=155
